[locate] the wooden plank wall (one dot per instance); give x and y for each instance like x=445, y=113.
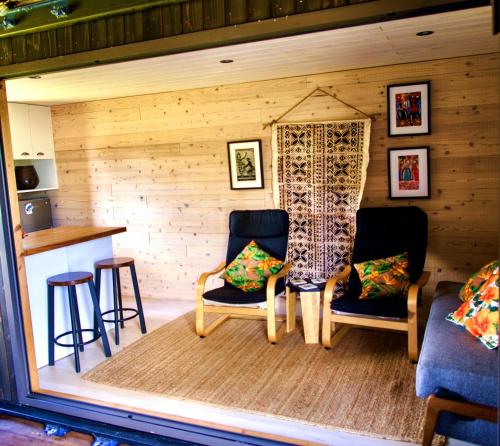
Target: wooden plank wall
x=162, y=21
x=158, y=164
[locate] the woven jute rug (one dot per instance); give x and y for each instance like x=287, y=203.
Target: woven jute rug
x=365, y=384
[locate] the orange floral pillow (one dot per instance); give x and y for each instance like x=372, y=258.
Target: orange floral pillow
x=479, y=315
x=384, y=277
x=475, y=282
x=251, y=268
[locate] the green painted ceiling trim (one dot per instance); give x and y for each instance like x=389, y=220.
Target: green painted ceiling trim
x=36, y=18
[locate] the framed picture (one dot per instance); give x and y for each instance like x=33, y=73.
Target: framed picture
x=408, y=109
x=409, y=175
x=245, y=164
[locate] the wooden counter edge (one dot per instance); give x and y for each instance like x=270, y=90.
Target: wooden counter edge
x=106, y=232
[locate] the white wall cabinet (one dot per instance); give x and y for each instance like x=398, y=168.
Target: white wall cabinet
x=33, y=142
x=31, y=131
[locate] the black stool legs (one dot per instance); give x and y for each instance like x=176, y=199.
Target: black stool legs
x=138, y=298
x=117, y=306
x=76, y=329
x=100, y=322
x=50, y=300
x=118, y=309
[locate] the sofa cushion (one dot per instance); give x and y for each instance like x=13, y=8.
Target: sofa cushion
x=451, y=358
x=476, y=281
x=479, y=315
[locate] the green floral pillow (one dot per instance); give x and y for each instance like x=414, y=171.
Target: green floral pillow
x=472, y=286
x=251, y=268
x=384, y=277
x=479, y=315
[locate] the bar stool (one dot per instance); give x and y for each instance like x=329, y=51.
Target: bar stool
x=114, y=264
x=70, y=280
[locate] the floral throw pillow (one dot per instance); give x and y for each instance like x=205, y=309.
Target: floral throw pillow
x=251, y=268
x=384, y=277
x=472, y=286
x=479, y=315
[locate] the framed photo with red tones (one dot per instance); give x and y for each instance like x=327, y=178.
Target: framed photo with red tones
x=408, y=109
x=408, y=173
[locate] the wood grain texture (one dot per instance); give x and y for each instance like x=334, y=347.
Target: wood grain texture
x=192, y=16
x=157, y=164
x=17, y=237
x=172, y=20
x=310, y=306
x=152, y=24
x=5, y=51
x=48, y=239
x=16, y=431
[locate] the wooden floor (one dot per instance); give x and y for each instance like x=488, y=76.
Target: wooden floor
x=62, y=378
x=18, y=431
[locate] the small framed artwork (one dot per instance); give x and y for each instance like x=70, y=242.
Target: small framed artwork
x=408, y=109
x=245, y=164
x=409, y=175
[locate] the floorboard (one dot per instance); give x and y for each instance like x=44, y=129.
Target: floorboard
x=17, y=431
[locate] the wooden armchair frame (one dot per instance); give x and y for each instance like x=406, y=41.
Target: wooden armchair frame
x=434, y=405
x=274, y=333
x=409, y=325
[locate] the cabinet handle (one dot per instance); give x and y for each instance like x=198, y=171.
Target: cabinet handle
x=25, y=154
x=40, y=154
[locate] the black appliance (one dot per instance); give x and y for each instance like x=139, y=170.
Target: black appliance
x=35, y=214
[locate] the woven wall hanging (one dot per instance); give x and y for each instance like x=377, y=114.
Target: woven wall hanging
x=319, y=172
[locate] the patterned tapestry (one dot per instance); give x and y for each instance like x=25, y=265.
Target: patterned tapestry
x=319, y=171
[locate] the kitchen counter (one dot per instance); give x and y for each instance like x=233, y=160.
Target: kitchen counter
x=59, y=250
x=48, y=239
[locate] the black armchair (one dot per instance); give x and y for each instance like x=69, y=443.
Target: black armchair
x=269, y=229
x=380, y=233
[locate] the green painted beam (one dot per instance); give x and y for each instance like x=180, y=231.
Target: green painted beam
x=40, y=18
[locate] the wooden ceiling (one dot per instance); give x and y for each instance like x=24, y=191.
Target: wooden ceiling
x=458, y=33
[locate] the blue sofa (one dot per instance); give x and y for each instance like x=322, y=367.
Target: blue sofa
x=455, y=366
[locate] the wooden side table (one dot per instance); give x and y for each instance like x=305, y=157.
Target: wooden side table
x=310, y=305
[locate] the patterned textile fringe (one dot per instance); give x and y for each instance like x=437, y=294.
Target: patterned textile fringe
x=319, y=173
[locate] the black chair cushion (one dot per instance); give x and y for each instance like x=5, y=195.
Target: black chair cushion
x=395, y=307
x=230, y=295
x=385, y=232
x=269, y=228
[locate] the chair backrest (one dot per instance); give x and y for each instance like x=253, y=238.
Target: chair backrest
x=269, y=228
x=384, y=232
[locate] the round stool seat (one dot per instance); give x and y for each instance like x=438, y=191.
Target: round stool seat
x=68, y=279
x=115, y=262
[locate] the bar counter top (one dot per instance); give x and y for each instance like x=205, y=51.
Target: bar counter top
x=54, y=238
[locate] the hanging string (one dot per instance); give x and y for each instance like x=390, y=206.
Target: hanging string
x=334, y=96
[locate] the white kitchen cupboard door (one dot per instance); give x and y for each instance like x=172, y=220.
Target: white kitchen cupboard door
x=42, y=139
x=19, y=118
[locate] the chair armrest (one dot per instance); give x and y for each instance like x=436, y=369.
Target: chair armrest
x=332, y=283
x=271, y=281
x=414, y=289
x=200, y=286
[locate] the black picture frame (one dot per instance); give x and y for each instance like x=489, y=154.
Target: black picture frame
x=245, y=164
x=401, y=120
x=408, y=173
